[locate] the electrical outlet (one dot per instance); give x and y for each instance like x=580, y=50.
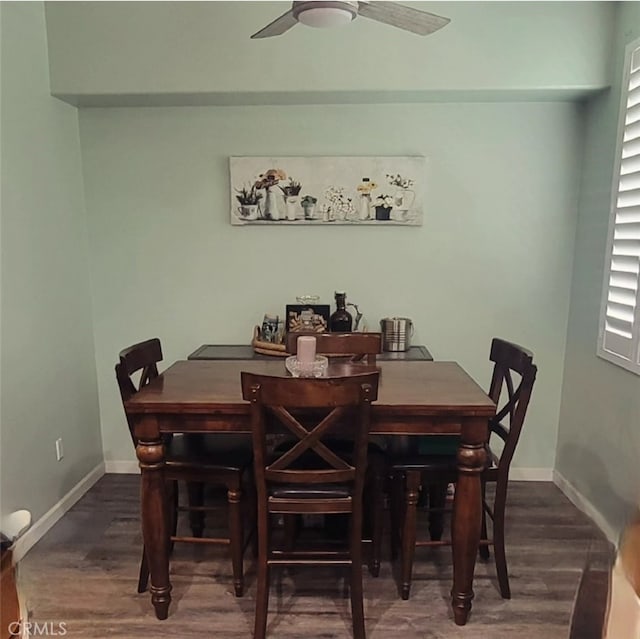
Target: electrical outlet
x=59, y=449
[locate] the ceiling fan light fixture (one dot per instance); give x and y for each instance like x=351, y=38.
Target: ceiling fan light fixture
x=325, y=17
x=324, y=13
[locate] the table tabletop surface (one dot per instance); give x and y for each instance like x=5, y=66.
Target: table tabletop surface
x=414, y=387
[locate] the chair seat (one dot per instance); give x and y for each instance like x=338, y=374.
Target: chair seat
x=209, y=452
x=441, y=463
x=306, y=491
x=440, y=445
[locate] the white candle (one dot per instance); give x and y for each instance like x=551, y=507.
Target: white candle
x=306, y=349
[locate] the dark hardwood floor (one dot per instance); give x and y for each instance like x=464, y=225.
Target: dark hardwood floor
x=84, y=572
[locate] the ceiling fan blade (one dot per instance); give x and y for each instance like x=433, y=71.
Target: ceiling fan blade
x=277, y=27
x=403, y=17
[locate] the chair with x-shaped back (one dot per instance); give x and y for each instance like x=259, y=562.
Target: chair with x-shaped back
x=198, y=460
x=359, y=347
x=309, y=476
x=433, y=472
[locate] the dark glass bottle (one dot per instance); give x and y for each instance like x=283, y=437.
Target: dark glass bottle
x=341, y=320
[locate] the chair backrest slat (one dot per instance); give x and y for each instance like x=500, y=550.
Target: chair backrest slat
x=358, y=345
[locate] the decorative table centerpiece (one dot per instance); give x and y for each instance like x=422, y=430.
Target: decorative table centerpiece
x=306, y=363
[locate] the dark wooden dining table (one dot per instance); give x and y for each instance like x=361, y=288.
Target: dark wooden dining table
x=415, y=398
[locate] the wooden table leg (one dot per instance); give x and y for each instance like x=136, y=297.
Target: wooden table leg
x=467, y=515
x=155, y=530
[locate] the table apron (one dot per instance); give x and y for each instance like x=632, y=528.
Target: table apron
x=406, y=425
x=203, y=424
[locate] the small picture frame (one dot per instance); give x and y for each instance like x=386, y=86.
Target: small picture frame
x=307, y=318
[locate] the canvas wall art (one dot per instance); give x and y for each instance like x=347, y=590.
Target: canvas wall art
x=376, y=191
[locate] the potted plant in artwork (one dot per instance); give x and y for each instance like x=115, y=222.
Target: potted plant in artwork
x=383, y=205
x=404, y=196
x=249, y=200
x=268, y=181
x=340, y=206
x=364, y=189
x=291, y=192
x=308, y=203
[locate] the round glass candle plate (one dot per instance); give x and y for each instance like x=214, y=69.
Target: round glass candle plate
x=317, y=368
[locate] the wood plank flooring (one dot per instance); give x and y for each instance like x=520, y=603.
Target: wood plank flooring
x=84, y=573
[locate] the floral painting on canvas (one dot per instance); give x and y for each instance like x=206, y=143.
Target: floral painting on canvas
x=378, y=191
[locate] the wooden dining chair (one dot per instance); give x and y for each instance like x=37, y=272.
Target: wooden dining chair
x=433, y=472
x=197, y=459
x=309, y=477
x=359, y=347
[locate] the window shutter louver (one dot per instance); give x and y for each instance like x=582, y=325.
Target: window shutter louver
x=620, y=319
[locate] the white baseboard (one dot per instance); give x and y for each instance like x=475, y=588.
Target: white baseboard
x=584, y=505
x=122, y=467
x=531, y=474
x=42, y=526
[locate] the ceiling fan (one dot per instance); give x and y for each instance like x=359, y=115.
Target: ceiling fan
x=330, y=13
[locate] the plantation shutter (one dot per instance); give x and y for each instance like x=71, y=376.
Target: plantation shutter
x=620, y=321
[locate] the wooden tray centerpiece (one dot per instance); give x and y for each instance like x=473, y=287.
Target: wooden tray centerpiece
x=267, y=348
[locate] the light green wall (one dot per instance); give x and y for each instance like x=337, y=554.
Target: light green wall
x=599, y=436
x=493, y=257
x=154, y=52
x=48, y=362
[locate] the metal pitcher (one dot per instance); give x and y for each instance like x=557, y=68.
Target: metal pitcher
x=396, y=333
